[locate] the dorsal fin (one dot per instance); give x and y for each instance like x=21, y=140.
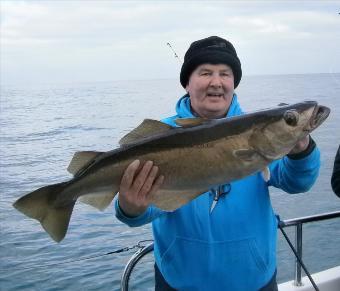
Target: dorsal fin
x=148, y=127
x=80, y=160
x=191, y=122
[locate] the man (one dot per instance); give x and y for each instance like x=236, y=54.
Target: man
x=335, y=180
x=229, y=243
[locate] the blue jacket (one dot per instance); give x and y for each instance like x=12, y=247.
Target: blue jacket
x=234, y=246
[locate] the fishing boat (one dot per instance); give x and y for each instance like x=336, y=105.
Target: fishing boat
x=326, y=280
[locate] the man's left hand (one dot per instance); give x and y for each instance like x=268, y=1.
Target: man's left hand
x=300, y=146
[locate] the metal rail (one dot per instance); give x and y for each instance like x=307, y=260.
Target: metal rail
x=311, y=218
x=297, y=222
x=124, y=284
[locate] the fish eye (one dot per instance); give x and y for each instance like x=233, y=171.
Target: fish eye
x=291, y=117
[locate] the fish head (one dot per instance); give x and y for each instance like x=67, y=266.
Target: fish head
x=283, y=127
x=302, y=118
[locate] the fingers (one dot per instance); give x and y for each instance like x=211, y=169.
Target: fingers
x=137, y=184
x=148, y=184
x=142, y=177
x=300, y=146
x=129, y=175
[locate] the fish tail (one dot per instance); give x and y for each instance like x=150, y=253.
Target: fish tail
x=40, y=205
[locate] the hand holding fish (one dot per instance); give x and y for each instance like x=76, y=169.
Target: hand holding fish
x=300, y=146
x=136, y=187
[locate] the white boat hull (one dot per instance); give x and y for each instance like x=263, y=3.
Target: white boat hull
x=328, y=280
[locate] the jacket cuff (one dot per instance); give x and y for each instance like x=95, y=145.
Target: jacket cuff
x=311, y=146
x=131, y=220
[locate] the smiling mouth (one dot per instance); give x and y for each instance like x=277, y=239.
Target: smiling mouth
x=215, y=95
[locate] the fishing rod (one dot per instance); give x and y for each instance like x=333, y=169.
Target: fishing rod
x=175, y=54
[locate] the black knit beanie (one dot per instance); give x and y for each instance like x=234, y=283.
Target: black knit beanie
x=211, y=50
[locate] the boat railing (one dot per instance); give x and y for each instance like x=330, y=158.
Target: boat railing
x=296, y=222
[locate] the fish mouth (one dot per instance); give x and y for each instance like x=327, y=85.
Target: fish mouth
x=319, y=115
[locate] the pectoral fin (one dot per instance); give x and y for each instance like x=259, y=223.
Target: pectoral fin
x=247, y=155
x=266, y=174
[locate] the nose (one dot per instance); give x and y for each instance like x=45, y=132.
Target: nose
x=215, y=81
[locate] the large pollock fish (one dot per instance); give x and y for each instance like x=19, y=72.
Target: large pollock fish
x=193, y=158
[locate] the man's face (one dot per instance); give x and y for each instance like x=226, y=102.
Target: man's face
x=211, y=89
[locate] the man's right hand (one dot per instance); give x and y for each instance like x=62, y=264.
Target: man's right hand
x=138, y=184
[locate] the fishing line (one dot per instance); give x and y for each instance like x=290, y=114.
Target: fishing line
x=125, y=249
x=298, y=257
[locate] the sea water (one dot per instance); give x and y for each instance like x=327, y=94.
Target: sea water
x=42, y=126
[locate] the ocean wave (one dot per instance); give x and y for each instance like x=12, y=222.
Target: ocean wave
x=63, y=130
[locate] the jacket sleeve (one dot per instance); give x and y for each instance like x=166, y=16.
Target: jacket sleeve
x=335, y=180
x=150, y=214
x=295, y=175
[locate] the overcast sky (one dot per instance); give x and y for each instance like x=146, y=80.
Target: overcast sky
x=62, y=41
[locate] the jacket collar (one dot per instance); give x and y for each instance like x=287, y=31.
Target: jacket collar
x=183, y=107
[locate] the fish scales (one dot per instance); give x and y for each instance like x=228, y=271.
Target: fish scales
x=193, y=158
